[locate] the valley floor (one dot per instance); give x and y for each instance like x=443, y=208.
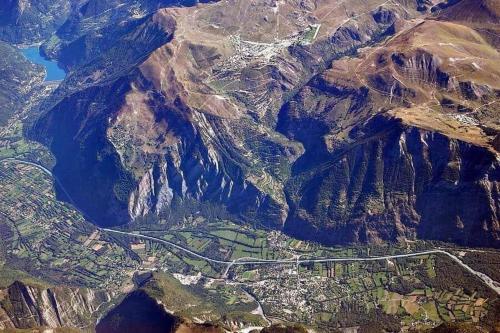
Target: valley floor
x=252, y=276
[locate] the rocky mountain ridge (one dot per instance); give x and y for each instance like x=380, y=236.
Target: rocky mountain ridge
x=24, y=306
x=254, y=119
x=429, y=133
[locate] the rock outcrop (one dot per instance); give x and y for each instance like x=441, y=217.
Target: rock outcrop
x=398, y=182
x=23, y=306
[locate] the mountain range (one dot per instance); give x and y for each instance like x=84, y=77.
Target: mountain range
x=250, y=166
x=297, y=116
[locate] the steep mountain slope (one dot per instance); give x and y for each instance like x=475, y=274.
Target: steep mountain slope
x=95, y=24
x=34, y=21
x=481, y=12
x=407, y=146
x=237, y=105
x=139, y=312
x=23, y=306
x=17, y=79
x=30, y=21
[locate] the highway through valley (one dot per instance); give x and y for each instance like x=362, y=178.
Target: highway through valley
x=494, y=285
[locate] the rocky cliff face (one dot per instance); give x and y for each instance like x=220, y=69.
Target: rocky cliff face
x=23, y=307
x=398, y=182
x=399, y=144
x=241, y=109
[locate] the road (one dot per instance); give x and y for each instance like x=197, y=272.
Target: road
x=486, y=279
x=49, y=173
x=38, y=166
x=494, y=285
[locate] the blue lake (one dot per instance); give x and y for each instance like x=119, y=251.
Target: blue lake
x=54, y=72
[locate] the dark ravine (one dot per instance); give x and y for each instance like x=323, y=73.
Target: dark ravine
x=140, y=313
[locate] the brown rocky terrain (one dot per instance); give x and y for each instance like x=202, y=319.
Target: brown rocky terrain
x=408, y=133
x=63, y=309
x=368, y=122
x=25, y=306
